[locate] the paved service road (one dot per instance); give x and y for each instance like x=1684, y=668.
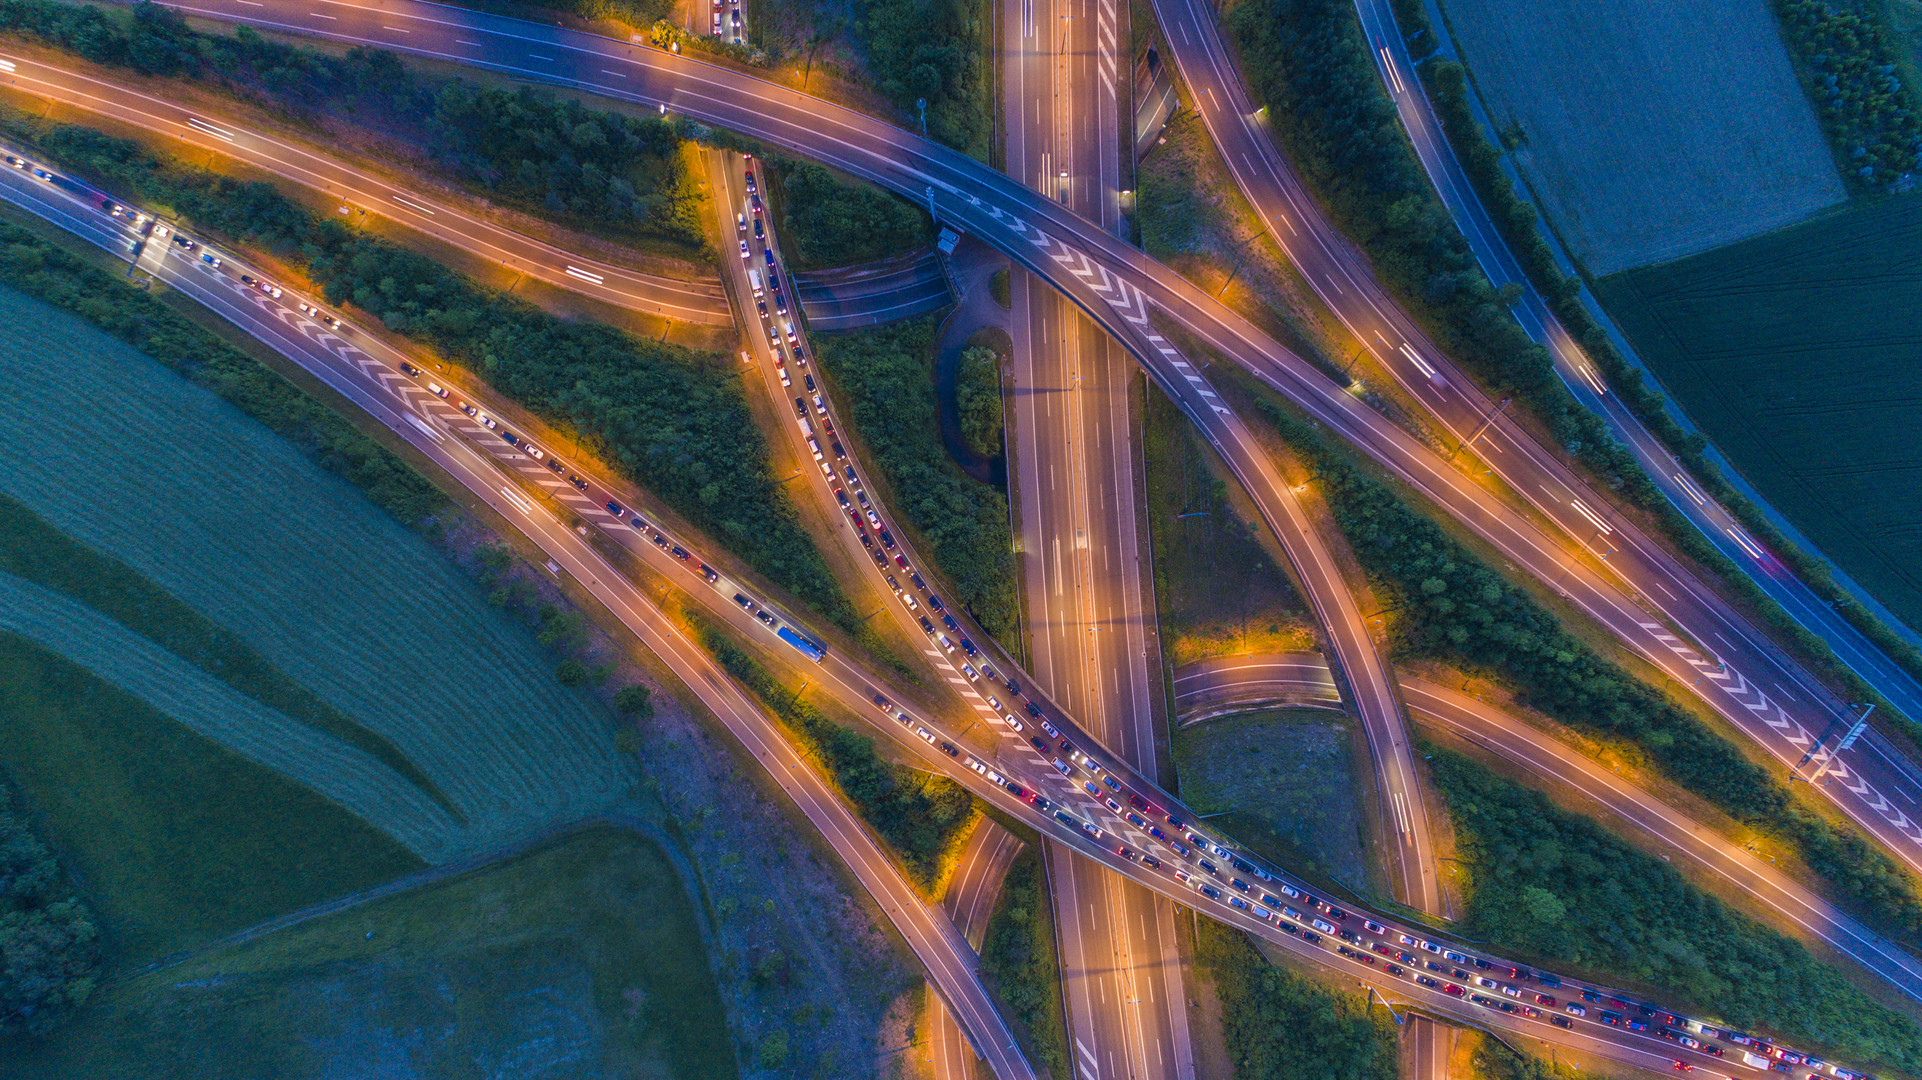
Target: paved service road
x=500, y=473
x=1541, y=754
x=1237, y=683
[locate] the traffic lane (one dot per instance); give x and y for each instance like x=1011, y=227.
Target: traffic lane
x=975, y=887
x=1247, y=678
x=933, y=938
x=1543, y=755
x=346, y=378
x=1325, y=258
x=872, y=296
x=696, y=302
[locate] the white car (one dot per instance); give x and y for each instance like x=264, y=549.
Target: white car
x=745, y=253
x=1013, y=723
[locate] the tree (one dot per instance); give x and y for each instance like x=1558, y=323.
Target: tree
x=636, y=701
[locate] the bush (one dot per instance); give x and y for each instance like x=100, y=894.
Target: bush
x=50, y=950
x=930, y=49
x=887, y=376
x=1847, y=66
x=635, y=701
x=571, y=672
x=978, y=393
x=834, y=222
x=1018, y=961
x=1281, y=1026
x=1558, y=886
x=672, y=421
x=917, y=813
x=1452, y=606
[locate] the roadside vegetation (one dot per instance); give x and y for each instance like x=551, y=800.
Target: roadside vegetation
x=672, y=420
x=977, y=391
x=1520, y=226
x=886, y=375
x=49, y=942
x=1557, y=886
x=44, y=272
x=605, y=172
x=1493, y=1060
x=919, y=814
x=1284, y=1026
x=1219, y=592
x=1019, y=965
x=585, y=956
x=837, y=222
x=1451, y=606
x=931, y=50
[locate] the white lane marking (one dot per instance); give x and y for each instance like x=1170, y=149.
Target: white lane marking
x=463, y=41
x=1594, y=518
x=536, y=56
x=592, y=279
x=520, y=501
x=425, y=427
x=253, y=3
x=616, y=74
x=1419, y=362
x=412, y=205
x=396, y=30
x=216, y=132
x=318, y=15
x=6, y=65
x=1746, y=544
x=1689, y=487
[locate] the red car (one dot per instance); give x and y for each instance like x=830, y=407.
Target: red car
x=1457, y=991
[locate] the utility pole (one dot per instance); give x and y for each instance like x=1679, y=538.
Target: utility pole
x=1486, y=421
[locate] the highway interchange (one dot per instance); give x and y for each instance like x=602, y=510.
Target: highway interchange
x=1094, y=269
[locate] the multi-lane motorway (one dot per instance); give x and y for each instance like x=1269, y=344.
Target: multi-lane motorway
x=375, y=378
x=1651, y=605
x=1088, y=601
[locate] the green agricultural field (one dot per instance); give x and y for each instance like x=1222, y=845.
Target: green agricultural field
x=132, y=461
x=1799, y=353
x=583, y=959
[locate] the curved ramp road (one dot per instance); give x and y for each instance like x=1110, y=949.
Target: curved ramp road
x=1649, y=603
x=970, y=900
x=500, y=474
x=1343, y=281
x=700, y=302
x=368, y=374
x=1544, y=755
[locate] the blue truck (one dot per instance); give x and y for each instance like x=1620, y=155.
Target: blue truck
x=808, y=648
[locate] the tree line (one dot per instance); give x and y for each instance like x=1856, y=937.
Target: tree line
x=917, y=813
x=1848, y=69
x=1558, y=886
x=603, y=171
x=977, y=391
x=50, y=947
x=930, y=50
x=673, y=421
x=886, y=375
x=1452, y=606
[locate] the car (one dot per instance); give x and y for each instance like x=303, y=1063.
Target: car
x=745, y=253
x=1035, y=711
x=1544, y=999
x=1150, y=860
x=942, y=640
x=1454, y=991
x=437, y=389
x=1486, y=1003
x=1209, y=891
x=1236, y=882
x=1115, y=786
x=579, y=483
x=710, y=573
x=1591, y=996
x=1038, y=744
x=1013, y=687
x=1374, y=927
x=1135, y=820
x=1182, y=876
x=948, y=748
x=935, y=603
x=1012, y=722
x=210, y=259
x=680, y=553
x=185, y=243
x=1176, y=822
x=1238, y=903
x=765, y=617
x=1155, y=831
x=948, y=621
x=926, y=626
x=748, y=605
x=1210, y=867
x=1177, y=849
x=1014, y=789
x=1561, y=1021
x=1112, y=805
x=1683, y=1066
x=1324, y=927
x=1310, y=937
x=556, y=464
x=1428, y=982
x=1125, y=852
x=1573, y=1009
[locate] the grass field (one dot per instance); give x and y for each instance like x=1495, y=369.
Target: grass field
x=1651, y=128
x=131, y=460
x=583, y=959
x=1285, y=784
x=1797, y=353
x=175, y=839
x=1219, y=593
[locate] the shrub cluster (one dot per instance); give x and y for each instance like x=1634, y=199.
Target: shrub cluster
x=1450, y=605
x=50, y=948
x=917, y=813
x=887, y=377
x=1848, y=70
x=602, y=170
x=930, y=50
x=1558, y=886
x=1018, y=961
x=977, y=391
x=1283, y=1026
x=834, y=224
x=674, y=422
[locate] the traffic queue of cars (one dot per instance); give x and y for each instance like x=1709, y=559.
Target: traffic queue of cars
x=1196, y=862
